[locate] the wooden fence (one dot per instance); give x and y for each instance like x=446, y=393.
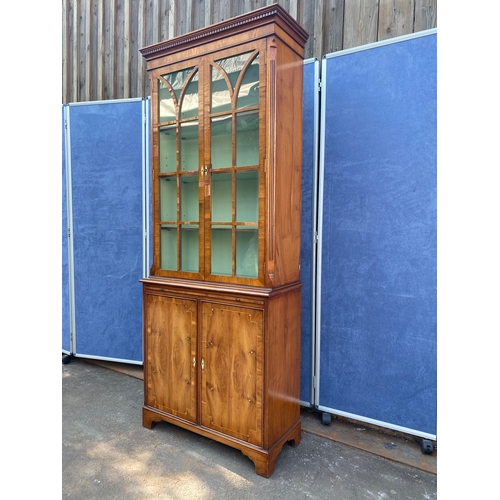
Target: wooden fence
x=102, y=38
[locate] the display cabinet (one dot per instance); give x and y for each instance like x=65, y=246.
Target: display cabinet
x=223, y=299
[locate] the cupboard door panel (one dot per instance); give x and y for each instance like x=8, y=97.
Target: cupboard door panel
x=232, y=357
x=170, y=350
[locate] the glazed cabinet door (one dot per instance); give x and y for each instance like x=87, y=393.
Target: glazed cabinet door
x=209, y=126
x=177, y=156
x=235, y=158
x=170, y=349
x=231, y=367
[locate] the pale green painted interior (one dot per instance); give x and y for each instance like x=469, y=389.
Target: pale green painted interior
x=247, y=139
x=166, y=106
x=189, y=249
x=247, y=196
x=189, y=145
x=248, y=94
x=168, y=199
x=189, y=198
x=247, y=252
x=221, y=198
x=246, y=182
x=222, y=254
x=247, y=210
x=221, y=142
x=167, y=152
x=168, y=247
x=221, y=97
x=190, y=99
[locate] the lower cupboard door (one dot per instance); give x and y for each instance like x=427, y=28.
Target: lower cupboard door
x=170, y=350
x=232, y=355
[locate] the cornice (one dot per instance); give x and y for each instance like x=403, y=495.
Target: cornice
x=219, y=30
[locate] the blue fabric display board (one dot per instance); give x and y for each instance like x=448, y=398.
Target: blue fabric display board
x=308, y=223
x=378, y=235
x=107, y=177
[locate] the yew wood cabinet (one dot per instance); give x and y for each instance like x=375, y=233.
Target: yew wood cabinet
x=222, y=303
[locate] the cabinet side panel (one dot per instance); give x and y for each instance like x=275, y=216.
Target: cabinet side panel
x=288, y=164
x=170, y=343
x=282, y=365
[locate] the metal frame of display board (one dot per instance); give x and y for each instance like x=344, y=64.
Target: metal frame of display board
x=135, y=260
x=341, y=378
x=67, y=247
x=310, y=151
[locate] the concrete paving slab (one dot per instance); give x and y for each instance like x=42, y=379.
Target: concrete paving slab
x=108, y=454
x=396, y=446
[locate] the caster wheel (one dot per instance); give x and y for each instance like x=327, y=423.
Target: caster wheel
x=426, y=446
x=326, y=418
x=66, y=359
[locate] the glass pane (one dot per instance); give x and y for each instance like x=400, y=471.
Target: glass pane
x=222, y=255
x=189, y=145
x=189, y=249
x=189, y=198
x=177, y=80
x=247, y=252
x=168, y=199
x=247, y=196
x=222, y=200
x=222, y=142
x=168, y=247
x=232, y=66
x=166, y=105
x=247, y=138
x=189, y=106
x=221, y=97
x=168, y=147
x=248, y=94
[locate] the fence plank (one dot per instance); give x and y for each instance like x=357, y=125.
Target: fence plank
x=100, y=51
x=102, y=38
x=306, y=20
x=395, y=18
x=141, y=42
x=333, y=26
x=76, y=58
x=225, y=10
x=127, y=35
x=109, y=65
x=319, y=16
x=425, y=15
x=171, y=30
x=360, y=23
x=65, y=52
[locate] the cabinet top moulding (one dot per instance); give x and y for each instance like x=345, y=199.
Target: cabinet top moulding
x=269, y=20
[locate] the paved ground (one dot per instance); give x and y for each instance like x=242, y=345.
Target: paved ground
x=107, y=454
